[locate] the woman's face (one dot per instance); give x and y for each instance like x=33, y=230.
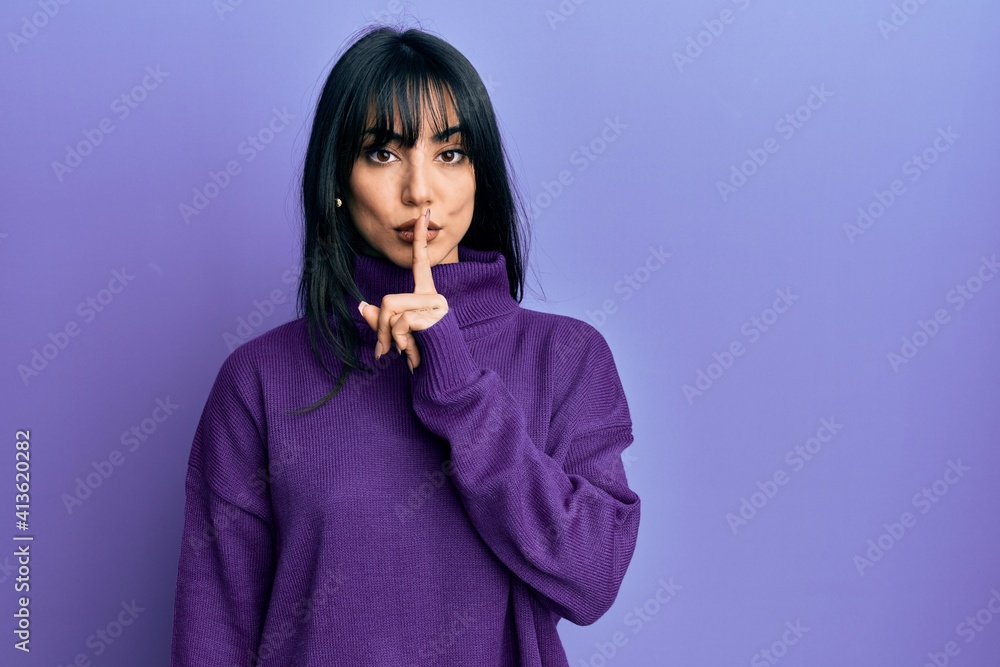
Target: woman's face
x=391, y=187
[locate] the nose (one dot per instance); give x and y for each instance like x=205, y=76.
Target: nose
x=416, y=186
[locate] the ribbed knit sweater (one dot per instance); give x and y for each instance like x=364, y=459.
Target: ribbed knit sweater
x=446, y=517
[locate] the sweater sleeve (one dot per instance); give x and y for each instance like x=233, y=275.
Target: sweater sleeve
x=227, y=554
x=567, y=530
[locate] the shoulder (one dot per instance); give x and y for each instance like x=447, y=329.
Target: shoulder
x=256, y=358
x=585, y=381
x=564, y=335
x=576, y=349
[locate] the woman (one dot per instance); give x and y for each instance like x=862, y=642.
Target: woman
x=444, y=512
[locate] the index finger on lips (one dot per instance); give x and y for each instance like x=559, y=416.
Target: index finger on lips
x=423, y=282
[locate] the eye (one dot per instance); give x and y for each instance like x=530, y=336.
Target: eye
x=374, y=154
x=459, y=156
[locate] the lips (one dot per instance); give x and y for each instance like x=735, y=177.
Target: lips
x=410, y=224
x=408, y=236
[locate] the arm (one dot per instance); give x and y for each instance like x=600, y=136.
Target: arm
x=227, y=551
x=567, y=530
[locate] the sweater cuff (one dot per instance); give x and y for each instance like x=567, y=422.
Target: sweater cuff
x=445, y=361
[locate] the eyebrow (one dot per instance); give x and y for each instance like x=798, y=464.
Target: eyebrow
x=440, y=137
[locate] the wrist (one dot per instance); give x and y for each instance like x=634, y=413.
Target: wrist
x=445, y=360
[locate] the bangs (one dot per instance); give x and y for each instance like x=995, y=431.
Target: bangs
x=410, y=94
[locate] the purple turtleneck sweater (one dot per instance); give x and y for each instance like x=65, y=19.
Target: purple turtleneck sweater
x=447, y=517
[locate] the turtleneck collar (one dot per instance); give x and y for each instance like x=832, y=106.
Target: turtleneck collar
x=476, y=287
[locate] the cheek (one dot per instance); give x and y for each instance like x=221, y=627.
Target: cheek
x=470, y=185
x=364, y=189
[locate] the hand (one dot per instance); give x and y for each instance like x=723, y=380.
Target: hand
x=402, y=314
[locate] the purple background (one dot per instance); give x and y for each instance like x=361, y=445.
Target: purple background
x=662, y=134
